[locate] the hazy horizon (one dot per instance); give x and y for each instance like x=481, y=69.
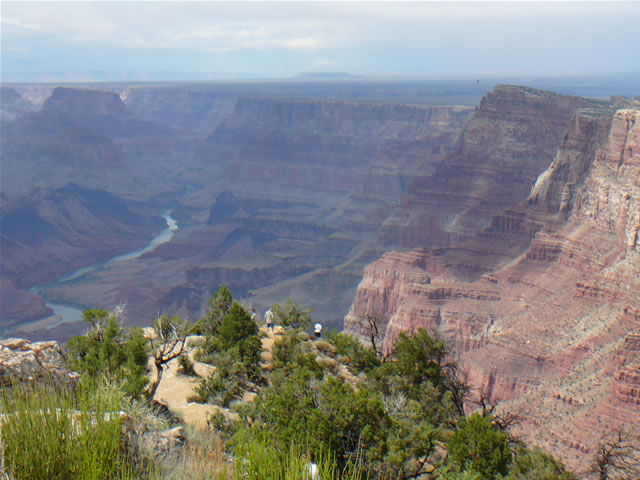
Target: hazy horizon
x=129, y=41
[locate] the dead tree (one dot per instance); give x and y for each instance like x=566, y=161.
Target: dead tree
x=371, y=323
x=457, y=381
x=504, y=421
x=618, y=456
x=171, y=335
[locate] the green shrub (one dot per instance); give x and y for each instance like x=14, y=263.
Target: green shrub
x=292, y=316
x=219, y=306
x=351, y=351
x=219, y=389
x=110, y=350
x=226, y=382
x=535, y=464
x=235, y=327
x=290, y=352
x=186, y=365
x=285, y=350
x=480, y=446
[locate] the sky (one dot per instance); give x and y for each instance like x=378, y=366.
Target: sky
x=152, y=39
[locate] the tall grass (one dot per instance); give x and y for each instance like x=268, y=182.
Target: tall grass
x=257, y=458
x=56, y=432
x=201, y=458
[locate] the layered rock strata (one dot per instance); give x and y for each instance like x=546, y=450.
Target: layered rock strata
x=331, y=146
x=507, y=143
x=552, y=330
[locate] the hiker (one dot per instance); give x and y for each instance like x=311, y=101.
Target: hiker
x=310, y=468
x=268, y=320
x=253, y=314
x=317, y=330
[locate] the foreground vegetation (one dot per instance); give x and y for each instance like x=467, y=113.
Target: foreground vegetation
x=362, y=415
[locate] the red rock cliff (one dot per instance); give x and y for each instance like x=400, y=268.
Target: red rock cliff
x=551, y=329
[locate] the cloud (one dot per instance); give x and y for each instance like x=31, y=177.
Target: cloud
x=303, y=43
x=268, y=36
x=18, y=24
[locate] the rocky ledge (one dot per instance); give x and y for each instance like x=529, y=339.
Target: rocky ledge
x=25, y=361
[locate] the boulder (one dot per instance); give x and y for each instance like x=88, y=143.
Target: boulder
x=22, y=360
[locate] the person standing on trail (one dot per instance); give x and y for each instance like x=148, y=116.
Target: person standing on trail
x=317, y=330
x=268, y=320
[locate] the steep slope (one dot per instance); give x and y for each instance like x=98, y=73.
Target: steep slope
x=282, y=194
x=507, y=143
x=550, y=329
x=88, y=137
x=12, y=104
x=51, y=233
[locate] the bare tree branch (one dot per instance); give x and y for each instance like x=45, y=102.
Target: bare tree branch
x=173, y=335
x=618, y=456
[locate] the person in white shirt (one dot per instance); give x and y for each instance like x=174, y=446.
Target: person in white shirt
x=268, y=320
x=317, y=330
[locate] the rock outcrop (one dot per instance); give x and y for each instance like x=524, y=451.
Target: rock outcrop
x=79, y=102
x=551, y=328
x=24, y=361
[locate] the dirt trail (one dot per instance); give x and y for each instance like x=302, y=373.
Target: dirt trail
x=175, y=389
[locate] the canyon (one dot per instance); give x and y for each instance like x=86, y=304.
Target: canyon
x=541, y=307
x=508, y=226
x=276, y=197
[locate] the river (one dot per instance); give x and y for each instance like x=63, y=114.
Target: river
x=70, y=313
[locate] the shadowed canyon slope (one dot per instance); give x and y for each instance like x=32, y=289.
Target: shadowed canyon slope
x=273, y=196
x=542, y=306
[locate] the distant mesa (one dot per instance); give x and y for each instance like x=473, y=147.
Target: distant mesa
x=85, y=102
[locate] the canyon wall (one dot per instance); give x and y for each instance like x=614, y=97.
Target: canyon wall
x=276, y=197
x=507, y=143
x=550, y=327
x=286, y=196
x=328, y=146
x=194, y=111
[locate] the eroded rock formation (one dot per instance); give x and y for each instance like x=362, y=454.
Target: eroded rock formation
x=507, y=143
x=550, y=327
x=285, y=198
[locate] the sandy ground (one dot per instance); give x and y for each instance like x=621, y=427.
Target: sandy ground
x=175, y=389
